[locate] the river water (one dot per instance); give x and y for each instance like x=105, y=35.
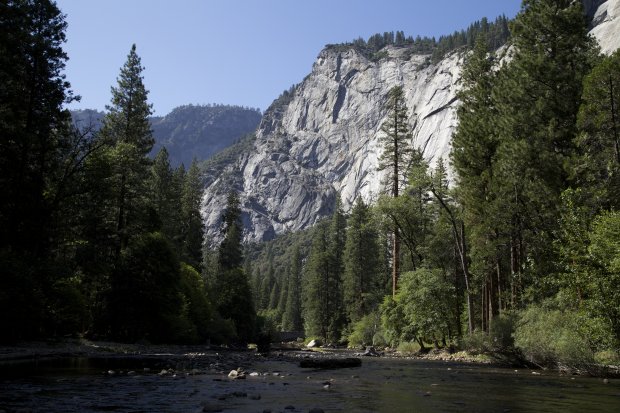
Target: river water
x=379, y=385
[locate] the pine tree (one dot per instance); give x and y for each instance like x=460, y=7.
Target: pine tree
x=537, y=96
x=396, y=139
x=362, y=291
x=598, y=160
x=33, y=122
x=283, y=293
x=336, y=245
x=473, y=156
x=38, y=158
x=274, y=295
x=230, y=251
x=165, y=194
x=191, y=219
x=323, y=310
x=234, y=295
x=316, y=305
x=291, y=319
x=126, y=127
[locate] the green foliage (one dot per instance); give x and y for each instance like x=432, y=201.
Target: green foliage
x=127, y=133
x=230, y=250
x=234, y=302
x=291, y=317
x=362, y=269
x=197, y=308
x=33, y=124
x=322, y=293
x=424, y=296
x=192, y=232
x=497, y=31
x=317, y=303
x=367, y=331
x=554, y=337
x=144, y=301
x=597, y=167
x=408, y=347
x=395, y=139
x=604, y=250
x=393, y=321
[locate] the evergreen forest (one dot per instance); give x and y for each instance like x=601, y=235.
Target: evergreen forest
x=511, y=245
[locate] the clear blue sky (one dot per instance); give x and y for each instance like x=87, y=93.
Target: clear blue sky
x=240, y=52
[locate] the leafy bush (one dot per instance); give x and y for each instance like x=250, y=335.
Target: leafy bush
x=409, y=347
x=607, y=357
x=502, y=330
x=478, y=342
x=145, y=300
x=367, y=331
x=551, y=337
x=196, y=309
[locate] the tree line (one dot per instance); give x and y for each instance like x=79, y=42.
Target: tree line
x=96, y=238
x=496, y=31
x=519, y=251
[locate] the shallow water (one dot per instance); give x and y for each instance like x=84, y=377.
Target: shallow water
x=380, y=385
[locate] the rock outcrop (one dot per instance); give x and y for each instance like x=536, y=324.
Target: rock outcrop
x=324, y=140
x=606, y=24
x=320, y=140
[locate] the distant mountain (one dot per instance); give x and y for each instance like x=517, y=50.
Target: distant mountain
x=190, y=131
x=202, y=131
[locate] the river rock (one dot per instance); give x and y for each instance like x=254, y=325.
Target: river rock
x=314, y=343
x=236, y=374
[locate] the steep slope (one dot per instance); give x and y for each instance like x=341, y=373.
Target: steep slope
x=190, y=131
x=320, y=138
x=606, y=23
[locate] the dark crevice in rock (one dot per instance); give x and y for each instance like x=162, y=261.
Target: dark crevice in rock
x=342, y=93
x=441, y=108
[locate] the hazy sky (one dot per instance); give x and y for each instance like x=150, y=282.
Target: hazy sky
x=240, y=52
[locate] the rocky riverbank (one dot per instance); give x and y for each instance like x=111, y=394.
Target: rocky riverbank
x=129, y=378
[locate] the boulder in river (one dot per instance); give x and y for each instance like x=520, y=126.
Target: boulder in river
x=314, y=343
x=236, y=374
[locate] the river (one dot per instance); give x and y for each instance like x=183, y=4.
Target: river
x=379, y=385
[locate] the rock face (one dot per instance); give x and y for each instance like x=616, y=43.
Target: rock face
x=606, y=24
x=324, y=140
x=321, y=139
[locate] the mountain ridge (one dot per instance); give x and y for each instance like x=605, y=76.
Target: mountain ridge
x=190, y=131
x=319, y=139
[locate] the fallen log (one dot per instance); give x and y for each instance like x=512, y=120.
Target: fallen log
x=330, y=363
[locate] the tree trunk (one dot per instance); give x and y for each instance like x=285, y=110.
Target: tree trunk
x=465, y=265
x=614, y=120
x=395, y=262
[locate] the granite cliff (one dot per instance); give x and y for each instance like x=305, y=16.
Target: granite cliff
x=320, y=139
